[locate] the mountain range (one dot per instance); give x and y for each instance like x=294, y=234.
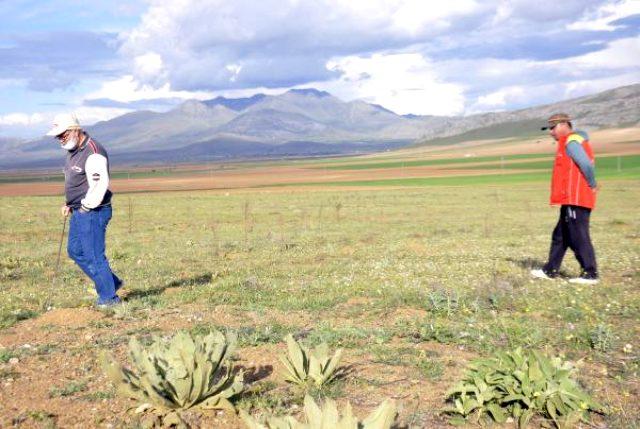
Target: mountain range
x=305, y=122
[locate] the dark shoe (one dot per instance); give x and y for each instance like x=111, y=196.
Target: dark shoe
x=117, y=282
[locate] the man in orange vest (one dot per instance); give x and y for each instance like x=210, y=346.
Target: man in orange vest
x=573, y=188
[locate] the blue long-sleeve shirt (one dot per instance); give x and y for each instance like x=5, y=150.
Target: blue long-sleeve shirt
x=579, y=156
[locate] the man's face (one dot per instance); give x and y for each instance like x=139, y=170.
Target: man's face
x=66, y=136
x=560, y=130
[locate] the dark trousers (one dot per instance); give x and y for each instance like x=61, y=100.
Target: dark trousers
x=572, y=231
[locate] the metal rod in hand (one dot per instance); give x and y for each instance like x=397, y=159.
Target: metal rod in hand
x=47, y=303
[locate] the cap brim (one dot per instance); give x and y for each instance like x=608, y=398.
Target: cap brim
x=56, y=131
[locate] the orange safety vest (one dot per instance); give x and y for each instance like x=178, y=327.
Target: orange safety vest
x=568, y=184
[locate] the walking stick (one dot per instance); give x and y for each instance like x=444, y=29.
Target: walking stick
x=47, y=303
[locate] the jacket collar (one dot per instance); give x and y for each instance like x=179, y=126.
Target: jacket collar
x=82, y=145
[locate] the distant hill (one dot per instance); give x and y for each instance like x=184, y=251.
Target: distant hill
x=614, y=108
x=303, y=122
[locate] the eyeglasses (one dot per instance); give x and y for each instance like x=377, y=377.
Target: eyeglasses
x=555, y=125
x=62, y=137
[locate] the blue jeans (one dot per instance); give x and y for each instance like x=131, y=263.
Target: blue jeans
x=86, y=246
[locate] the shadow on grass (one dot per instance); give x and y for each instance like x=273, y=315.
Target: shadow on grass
x=531, y=263
x=191, y=281
x=526, y=263
x=9, y=319
x=255, y=373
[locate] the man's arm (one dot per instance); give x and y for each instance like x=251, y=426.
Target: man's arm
x=98, y=179
x=579, y=156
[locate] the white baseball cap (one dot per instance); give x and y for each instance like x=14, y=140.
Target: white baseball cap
x=64, y=122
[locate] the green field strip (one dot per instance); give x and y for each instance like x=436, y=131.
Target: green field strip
x=603, y=164
x=427, y=162
x=493, y=179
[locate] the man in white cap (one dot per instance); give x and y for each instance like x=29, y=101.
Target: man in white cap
x=88, y=201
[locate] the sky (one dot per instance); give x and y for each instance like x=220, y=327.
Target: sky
x=104, y=58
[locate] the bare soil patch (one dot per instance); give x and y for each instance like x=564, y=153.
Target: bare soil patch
x=58, y=379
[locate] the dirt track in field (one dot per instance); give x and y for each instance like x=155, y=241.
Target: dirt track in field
x=242, y=179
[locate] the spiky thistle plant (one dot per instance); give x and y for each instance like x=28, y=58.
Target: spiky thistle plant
x=327, y=417
x=180, y=373
x=303, y=365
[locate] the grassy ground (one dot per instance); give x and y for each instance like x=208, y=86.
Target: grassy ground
x=413, y=283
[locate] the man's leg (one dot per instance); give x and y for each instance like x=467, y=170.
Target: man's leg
x=74, y=245
x=581, y=241
x=105, y=218
x=559, y=245
x=93, y=227
x=74, y=250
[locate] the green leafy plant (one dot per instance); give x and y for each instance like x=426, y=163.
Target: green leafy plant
x=601, y=338
x=262, y=334
x=521, y=385
x=6, y=355
x=177, y=374
x=9, y=268
x=445, y=302
x=68, y=390
x=10, y=318
x=327, y=417
x=303, y=366
x=428, y=330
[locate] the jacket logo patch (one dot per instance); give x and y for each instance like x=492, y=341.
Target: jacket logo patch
x=76, y=169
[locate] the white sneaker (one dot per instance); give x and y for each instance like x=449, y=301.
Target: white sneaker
x=584, y=281
x=540, y=274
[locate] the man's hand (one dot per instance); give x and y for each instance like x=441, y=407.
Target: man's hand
x=65, y=210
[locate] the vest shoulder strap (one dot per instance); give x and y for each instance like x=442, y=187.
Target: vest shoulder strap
x=92, y=145
x=576, y=137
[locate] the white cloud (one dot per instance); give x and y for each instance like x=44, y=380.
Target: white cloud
x=413, y=16
x=540, y=12
x=580, y=88
x=412, y=56
x=23, y=119
x=36, y=124
x=619, y=54
x=235, y=70
x=412, y=83
x=127, y=89
x=367, y=49
x=90, y=115
x=499, y=99
x=602, y=18
x=617, y=64
x=224, y=45
x=10, y=83
x=404, y=83
x=149, y=66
